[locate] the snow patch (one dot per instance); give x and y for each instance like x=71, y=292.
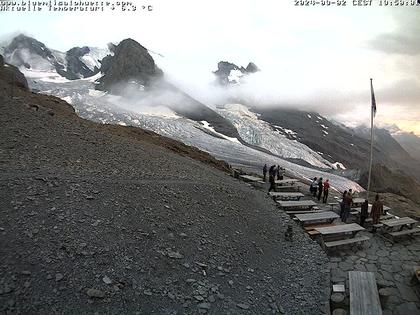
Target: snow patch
x=208, y=127
x=338, y=166
x=309, y=116
x=235, y=76
x=68, y=99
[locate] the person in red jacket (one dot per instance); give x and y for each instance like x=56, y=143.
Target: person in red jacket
x=326, y=190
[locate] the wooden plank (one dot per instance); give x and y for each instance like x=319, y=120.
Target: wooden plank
x=364, y=297
x=293, y=213
x=346, y=241
x=399, y=222
x=344, y=228
x=405, y=232
x=327, y=215
x=286, y=181
x=286, y=194
x=313, y=227
x=296, y=204
x=288, y=188
x=359, y=209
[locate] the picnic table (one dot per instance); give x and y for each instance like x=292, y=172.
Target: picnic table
x=287, y=195
x=356, y=202
x=309, y=218
x=398, y=224
x=284, y=182
x=296, y=205
x=339, y=233
x=364, y=297
x=359, y=209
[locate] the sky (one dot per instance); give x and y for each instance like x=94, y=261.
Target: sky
x=315, y=58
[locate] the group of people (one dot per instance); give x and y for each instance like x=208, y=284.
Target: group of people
x=375, y=213
x=273, y=173
x=319, y=189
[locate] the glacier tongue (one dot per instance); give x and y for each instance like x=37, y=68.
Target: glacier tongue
x=258, y=132
x=105, y=108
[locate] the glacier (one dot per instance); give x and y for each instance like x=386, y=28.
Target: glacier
x=110, y=109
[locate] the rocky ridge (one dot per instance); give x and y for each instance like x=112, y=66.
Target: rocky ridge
x=101, y=219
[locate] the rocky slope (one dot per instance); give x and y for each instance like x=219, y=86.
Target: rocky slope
x=410, y=142
x=101, y=219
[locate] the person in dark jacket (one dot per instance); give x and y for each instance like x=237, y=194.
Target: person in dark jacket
x=314, y=186
x=364, y=212
x=278, y=172
x=342, y=204
x=265, y=172
x=320, y=186
x=272, y=178
x=348, y=200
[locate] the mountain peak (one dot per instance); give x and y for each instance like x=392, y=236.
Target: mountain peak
x=131, y=63
x=229, y=73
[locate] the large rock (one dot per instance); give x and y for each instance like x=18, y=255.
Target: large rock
x=130, y=64
x=11, y=78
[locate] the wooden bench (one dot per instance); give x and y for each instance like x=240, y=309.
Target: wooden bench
x=405, y=232
x=296, y=205
x=346, y=241
x=364, y=297
x=293, y=213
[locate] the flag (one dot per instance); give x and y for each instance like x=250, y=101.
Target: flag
x=373, y=98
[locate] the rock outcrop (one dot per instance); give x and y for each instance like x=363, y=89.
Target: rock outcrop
x=130, y=64
x=228, y=73
x=11, y=78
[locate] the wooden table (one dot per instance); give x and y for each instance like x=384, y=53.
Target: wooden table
x=309, y=218
x=364, y=297
x=339, y=235
x=290, y=188
x=359, y=209
x=286, y=182
x=287, y=195
x=399, y=223
x=357, y=202
x=341, y=229
x=296, y=205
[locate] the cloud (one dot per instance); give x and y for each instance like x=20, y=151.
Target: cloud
x=404, y=40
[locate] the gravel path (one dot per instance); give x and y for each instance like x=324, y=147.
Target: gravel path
x=98, y=223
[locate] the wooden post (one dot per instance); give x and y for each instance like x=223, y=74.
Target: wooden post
x=371, y=141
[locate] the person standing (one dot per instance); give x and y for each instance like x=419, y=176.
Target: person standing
x=342, y=205
x=313, y=186
x=272, y=178
x=265, y=172
x=278, y=172
x=377, y=210
x=320, y=186
x=347, y=206
x=326, y=191
x=364, y=212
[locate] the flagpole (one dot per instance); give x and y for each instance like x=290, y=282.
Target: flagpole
x=371, y=140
